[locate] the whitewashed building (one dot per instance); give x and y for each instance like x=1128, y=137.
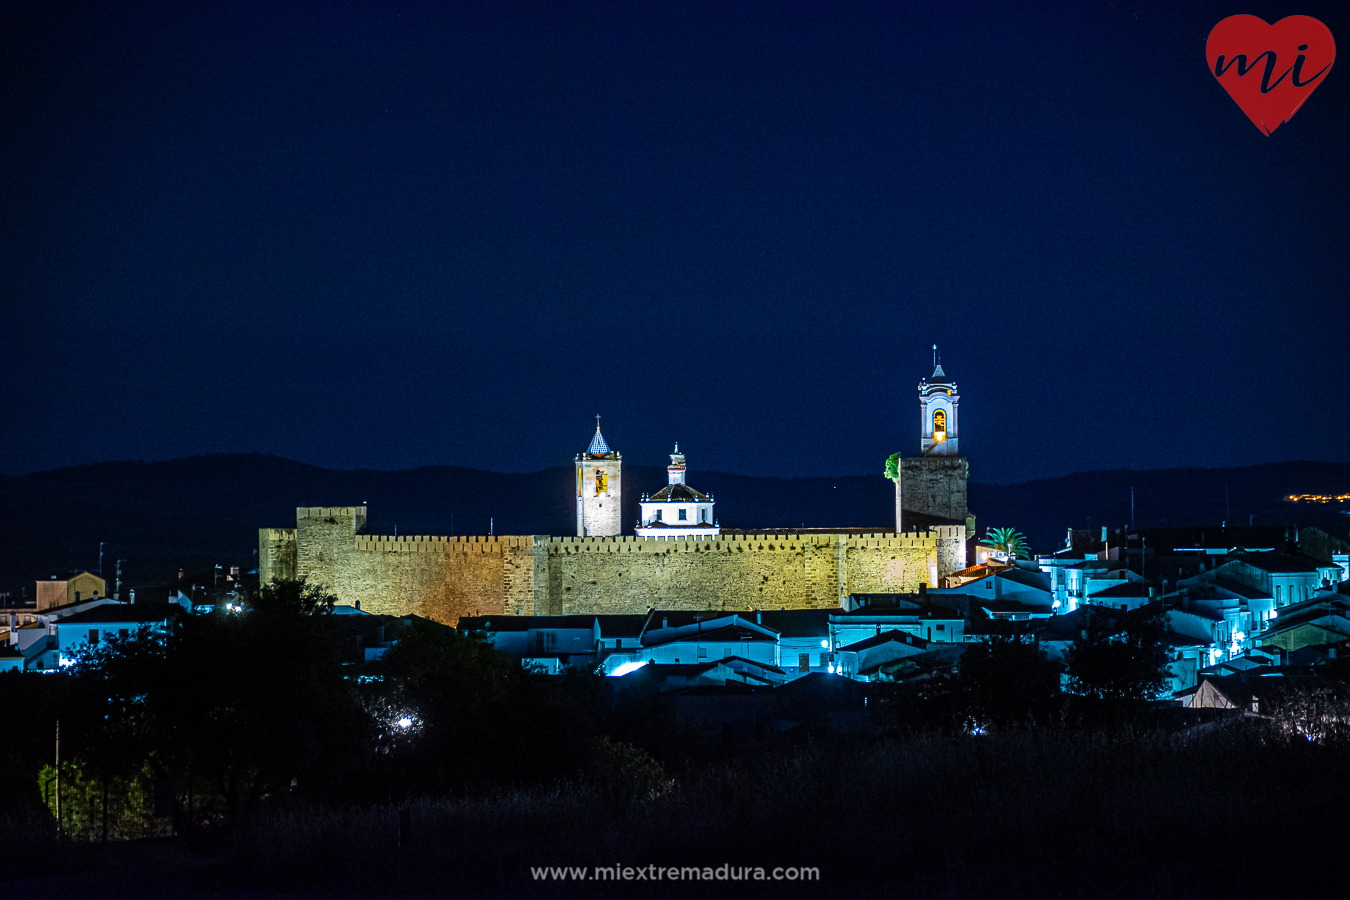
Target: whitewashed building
x=677, y=510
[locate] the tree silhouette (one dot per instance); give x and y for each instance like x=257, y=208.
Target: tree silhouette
x=1120, y=656
x=1004, y=680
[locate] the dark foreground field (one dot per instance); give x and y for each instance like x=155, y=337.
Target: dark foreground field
x=1228, y=809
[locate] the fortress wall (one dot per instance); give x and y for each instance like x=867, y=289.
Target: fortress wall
x=276, y=554
x=441, y=578
x=628, y=574
x=444, y=578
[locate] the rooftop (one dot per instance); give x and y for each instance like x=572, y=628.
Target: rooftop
x=678, y=493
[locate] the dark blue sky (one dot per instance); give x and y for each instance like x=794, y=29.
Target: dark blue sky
x=387, y=235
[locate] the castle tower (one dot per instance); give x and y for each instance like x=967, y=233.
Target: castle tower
x=677, y=510
x=598, y=489
x=930, y=489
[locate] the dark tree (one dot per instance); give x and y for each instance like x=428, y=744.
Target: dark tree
x=1006, y=680
x=1120, y=656
x=292, y=597
x=484, y=719
x=230, y=707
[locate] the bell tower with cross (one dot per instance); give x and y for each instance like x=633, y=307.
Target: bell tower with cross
x=598, y=489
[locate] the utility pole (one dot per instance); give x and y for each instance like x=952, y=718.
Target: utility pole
x=101, y=545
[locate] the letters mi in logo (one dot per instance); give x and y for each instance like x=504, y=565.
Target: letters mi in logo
x=1269, y=70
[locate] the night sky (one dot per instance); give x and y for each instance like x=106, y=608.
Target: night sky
x=387, y=235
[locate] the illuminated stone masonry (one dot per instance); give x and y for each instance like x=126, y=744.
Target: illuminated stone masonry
x=443, y=578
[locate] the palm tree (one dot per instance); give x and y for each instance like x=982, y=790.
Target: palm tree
x=1009, y=541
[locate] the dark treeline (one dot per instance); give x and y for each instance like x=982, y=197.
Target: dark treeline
x=246, y=738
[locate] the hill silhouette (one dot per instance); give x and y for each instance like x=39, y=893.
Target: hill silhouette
x=196, y=512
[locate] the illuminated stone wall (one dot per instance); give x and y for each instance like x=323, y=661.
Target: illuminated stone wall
x=444, y=578
x=932, y=486
x=276, y=554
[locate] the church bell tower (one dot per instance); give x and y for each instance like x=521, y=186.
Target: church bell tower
x=930, y=489
x=598, y=489
x=937, y=407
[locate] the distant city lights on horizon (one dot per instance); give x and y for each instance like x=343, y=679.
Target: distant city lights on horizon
x=1319, y=498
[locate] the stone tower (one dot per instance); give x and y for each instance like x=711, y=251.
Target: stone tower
x=930, y=489
x=598, y=489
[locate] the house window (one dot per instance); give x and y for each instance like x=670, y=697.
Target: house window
x=658, y=516
x=93, y=635
x=702, y=652
x=803, y=662
x=601, y=482
x=77, y=596
x=684, y=514
x=942, y=626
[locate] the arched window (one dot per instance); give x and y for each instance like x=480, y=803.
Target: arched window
x=940, y=421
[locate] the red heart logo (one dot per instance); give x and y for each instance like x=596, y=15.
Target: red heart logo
x=1270, y=69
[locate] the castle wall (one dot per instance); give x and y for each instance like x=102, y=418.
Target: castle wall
x=441, y=578
x=444, y=578
x=276, y=554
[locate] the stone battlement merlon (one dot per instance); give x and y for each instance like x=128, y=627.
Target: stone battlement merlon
x=325, y=512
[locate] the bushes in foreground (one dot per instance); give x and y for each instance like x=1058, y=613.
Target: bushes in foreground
x=1018, y=813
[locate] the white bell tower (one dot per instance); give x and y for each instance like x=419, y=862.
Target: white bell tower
x=937, y=410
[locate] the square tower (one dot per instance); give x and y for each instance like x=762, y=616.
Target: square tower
x=930, y=489
x=598, y=489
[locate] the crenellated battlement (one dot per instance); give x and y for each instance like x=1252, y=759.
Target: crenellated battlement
x=731, y=543
x=445, y=577
x=330, y=512
x=460, y=543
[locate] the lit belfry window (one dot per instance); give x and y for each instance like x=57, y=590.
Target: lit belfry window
x=939, y=425
x=601, y=482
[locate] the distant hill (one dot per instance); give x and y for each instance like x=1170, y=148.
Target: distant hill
x=196, y=512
